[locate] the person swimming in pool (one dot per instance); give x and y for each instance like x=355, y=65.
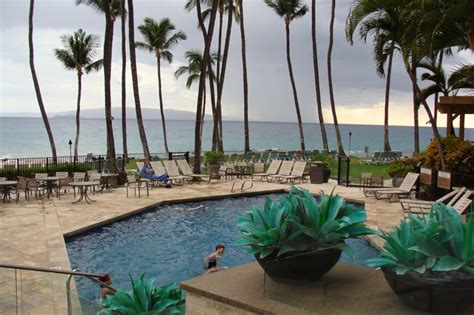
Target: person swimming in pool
x=211, y=260
x=104, y=291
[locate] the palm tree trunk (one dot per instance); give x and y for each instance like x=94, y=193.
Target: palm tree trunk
x=324, y=135
x=244, y=78
x=219, y=46
x=340, y=148
x=220, y=83
x=202, y=79
x=162, y=112
x=136, y=92
x=108, y=38
x=124, y=83
x=386, y=143
x=36, y=82
x=215, y=127
x=293, y=85
x=203, y=107
x=417, y=89
x=78, y=115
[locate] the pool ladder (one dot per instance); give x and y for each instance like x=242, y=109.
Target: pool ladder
x=242, y=187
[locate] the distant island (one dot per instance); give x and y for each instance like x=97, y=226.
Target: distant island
x=98, y=113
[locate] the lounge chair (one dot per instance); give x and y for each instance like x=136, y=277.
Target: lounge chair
x=259, y=167
x=285, y=170
x=423, y=206
x=187, y=171
x=173, y=173
x=272, y=170
x=463, y=203
x=388, y=193
x=139, y=166
x=158, y=168
x=135, y=184
x=296, y=173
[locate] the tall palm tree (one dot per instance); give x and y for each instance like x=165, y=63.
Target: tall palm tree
x=324, y=136
x=78, y=54
x=123, y=30
x=193, y=70
x=244, y=77
x=36, y=82
x=340, y=148
x=386, y=32
x=159, y=40
x=111, y=9
x=290, y=10
x=136, y=91
x=207, y=34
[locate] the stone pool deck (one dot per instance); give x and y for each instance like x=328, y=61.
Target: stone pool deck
x=32, y=233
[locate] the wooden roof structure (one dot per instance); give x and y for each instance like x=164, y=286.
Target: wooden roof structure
x=456, y=106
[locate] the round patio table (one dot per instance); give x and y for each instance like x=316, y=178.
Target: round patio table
x=244, y=170
x=105, y=179
x=6, y=187
x=50, y=180
x=83, y=188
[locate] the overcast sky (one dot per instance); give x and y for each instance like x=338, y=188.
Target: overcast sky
x=359, y=92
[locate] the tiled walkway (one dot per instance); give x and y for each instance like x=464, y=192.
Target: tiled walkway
x=31, y=233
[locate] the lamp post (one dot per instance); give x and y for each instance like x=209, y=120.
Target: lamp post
x=350, y=136
x=70, y=150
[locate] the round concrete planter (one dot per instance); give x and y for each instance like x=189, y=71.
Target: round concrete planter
x=307, y=266
x=397, y=181
x=433, y=294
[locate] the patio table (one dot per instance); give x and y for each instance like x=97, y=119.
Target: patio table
x=83, y=187
x=105, y=180
x=50, y=180
x=6, y=187
x=244, y=170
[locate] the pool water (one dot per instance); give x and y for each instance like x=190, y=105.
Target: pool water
x=170, y=242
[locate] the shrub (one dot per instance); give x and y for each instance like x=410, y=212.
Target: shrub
x=325, y=158
x=401, y=168
x=145, y=297
x=214, y=157
x=459, y=155
x=436, y=242
x=298, y=222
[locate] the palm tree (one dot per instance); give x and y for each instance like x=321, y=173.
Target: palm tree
x=207, y=34
x=36, y=82
x=111, y=9
x=290, y=10
x=386, y=31
x=159, y=40
x=124, y=79
x=324, y=136
x=136, y=91
x=244, y=77
x=340, y=148
x=78, y=54
x=193, y=70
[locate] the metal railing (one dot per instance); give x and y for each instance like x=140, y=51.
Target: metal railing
x=71, y=273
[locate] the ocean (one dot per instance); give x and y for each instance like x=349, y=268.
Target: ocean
x=26, y=137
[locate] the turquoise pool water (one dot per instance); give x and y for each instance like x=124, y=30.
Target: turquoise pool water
x=170, y=242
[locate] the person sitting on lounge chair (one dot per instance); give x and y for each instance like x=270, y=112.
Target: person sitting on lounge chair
x=149, y=173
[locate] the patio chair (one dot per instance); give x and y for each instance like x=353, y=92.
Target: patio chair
x=463, y=203
x=63, y=182
x=158, y=167
x=388, y=193
x=272, y=170
x=79, y=176
x=133, y=183
x=173, y=173
x=96, y=178
x=187, y=171
x=259, y=167
x=415, y=206
x=90, y=173
x=36, y=187
x=296, y=173
x=21, y=187
x=285, y=170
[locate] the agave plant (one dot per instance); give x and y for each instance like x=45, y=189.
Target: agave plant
x=299, y=222
x=145, y=297
x=436, y=242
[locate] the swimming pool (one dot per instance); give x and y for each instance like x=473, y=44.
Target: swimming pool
x=170, y=242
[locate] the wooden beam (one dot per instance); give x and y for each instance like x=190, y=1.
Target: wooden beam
x=461, y=127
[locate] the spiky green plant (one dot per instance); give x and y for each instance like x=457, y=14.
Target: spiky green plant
x=299, y=222
x=436, y=242
x=145, y=297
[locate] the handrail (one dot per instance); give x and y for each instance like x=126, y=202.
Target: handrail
x=68, y=272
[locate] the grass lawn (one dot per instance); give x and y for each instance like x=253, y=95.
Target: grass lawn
x=356, y=168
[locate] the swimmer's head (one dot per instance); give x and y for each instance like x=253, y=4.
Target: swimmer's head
x=220, y=248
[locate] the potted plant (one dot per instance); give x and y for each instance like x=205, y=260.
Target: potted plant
x=429, y=261
x=213, y=160
x=145, y=298
x=299, y=237
x=320, y=171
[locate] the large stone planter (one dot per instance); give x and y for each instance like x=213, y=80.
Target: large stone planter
x=307, y=266
x=433, y=294
x=319, y=174
x=397, y=181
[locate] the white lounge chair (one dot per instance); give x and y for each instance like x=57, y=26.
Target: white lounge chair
x=187, y=171
x=388, y=193
x=423, y=206
x=173, y=173
x=285, y=170
x=272, y=170
x=296, y=173
x=463, y=203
